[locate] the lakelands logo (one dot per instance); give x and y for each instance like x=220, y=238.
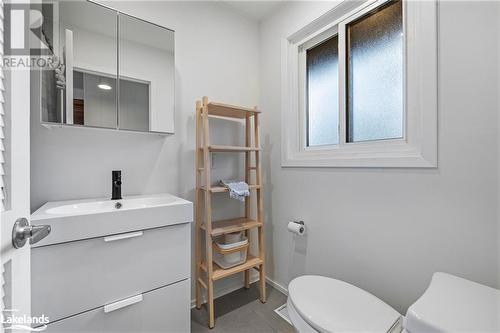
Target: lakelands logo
x=10, y=320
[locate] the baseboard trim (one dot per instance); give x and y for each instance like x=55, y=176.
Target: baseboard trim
x=277, y=286
x=233, y=287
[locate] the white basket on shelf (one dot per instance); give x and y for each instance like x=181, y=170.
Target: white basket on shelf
x=230, y=250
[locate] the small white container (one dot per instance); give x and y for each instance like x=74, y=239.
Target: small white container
x=233, y=237
x=230, y=250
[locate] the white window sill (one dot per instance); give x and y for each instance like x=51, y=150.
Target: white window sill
x=395, y=154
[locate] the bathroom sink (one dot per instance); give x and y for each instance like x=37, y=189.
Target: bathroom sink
x=77, y=219
x=110, y=205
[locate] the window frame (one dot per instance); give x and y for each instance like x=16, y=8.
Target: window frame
x=366, y=11
x=418, y=147
x=302, y=63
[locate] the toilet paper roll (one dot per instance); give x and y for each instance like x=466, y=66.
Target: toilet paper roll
x=296, y=228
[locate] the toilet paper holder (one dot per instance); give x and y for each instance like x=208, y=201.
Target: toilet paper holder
x=302, y=224
x=297, y=227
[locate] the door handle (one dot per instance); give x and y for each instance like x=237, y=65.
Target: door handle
x=22, y=231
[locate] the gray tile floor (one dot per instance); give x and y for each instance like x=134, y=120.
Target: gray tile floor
x=242, y=312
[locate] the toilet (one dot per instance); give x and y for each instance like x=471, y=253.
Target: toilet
x=450, y=304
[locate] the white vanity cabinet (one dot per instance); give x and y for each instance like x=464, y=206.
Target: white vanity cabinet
x=137, y=280
x=153, y=311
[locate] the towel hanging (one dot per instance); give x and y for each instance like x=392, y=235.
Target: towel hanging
x=237, y=189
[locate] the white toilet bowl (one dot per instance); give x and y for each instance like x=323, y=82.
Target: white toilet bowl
x=450, y=304
x=321, y=304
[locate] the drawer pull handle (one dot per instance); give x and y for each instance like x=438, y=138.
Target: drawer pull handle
x=123, y=236
x=123, y=303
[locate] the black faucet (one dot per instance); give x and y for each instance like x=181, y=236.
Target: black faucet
x=116, y=185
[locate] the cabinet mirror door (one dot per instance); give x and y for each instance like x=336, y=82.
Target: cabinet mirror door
x=83, y=91
x=146, y=76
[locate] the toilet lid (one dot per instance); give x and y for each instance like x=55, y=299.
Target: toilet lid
x=330, y=305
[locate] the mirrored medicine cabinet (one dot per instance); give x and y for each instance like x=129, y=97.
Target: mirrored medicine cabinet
x=114, y=70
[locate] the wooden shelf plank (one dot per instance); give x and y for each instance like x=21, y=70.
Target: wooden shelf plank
x=220, y=148
x=230, y=111
x=232, y=225
x=219, y=189
x=220, y=273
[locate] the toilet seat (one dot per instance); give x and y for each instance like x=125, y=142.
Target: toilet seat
x=329, y=305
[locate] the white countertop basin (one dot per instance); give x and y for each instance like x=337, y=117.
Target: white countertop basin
x=94, y=206
x=88, y=218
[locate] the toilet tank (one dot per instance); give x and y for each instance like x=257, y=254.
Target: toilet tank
x=453, y=304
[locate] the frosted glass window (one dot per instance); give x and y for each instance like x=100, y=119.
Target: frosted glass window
x=322, y=93
x=375, y=75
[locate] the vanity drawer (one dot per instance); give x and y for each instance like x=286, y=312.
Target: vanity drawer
x=162, y=310
x=73, y=277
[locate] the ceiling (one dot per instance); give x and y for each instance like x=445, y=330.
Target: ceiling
x=257, y=9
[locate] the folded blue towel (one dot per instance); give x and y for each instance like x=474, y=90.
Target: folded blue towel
x=237, y=189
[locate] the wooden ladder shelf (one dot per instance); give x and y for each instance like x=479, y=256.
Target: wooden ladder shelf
x=206, y=229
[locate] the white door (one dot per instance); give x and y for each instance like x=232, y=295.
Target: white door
x=15, y=145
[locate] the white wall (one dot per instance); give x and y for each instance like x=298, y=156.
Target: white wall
x=216, y=55
x=388, y=230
